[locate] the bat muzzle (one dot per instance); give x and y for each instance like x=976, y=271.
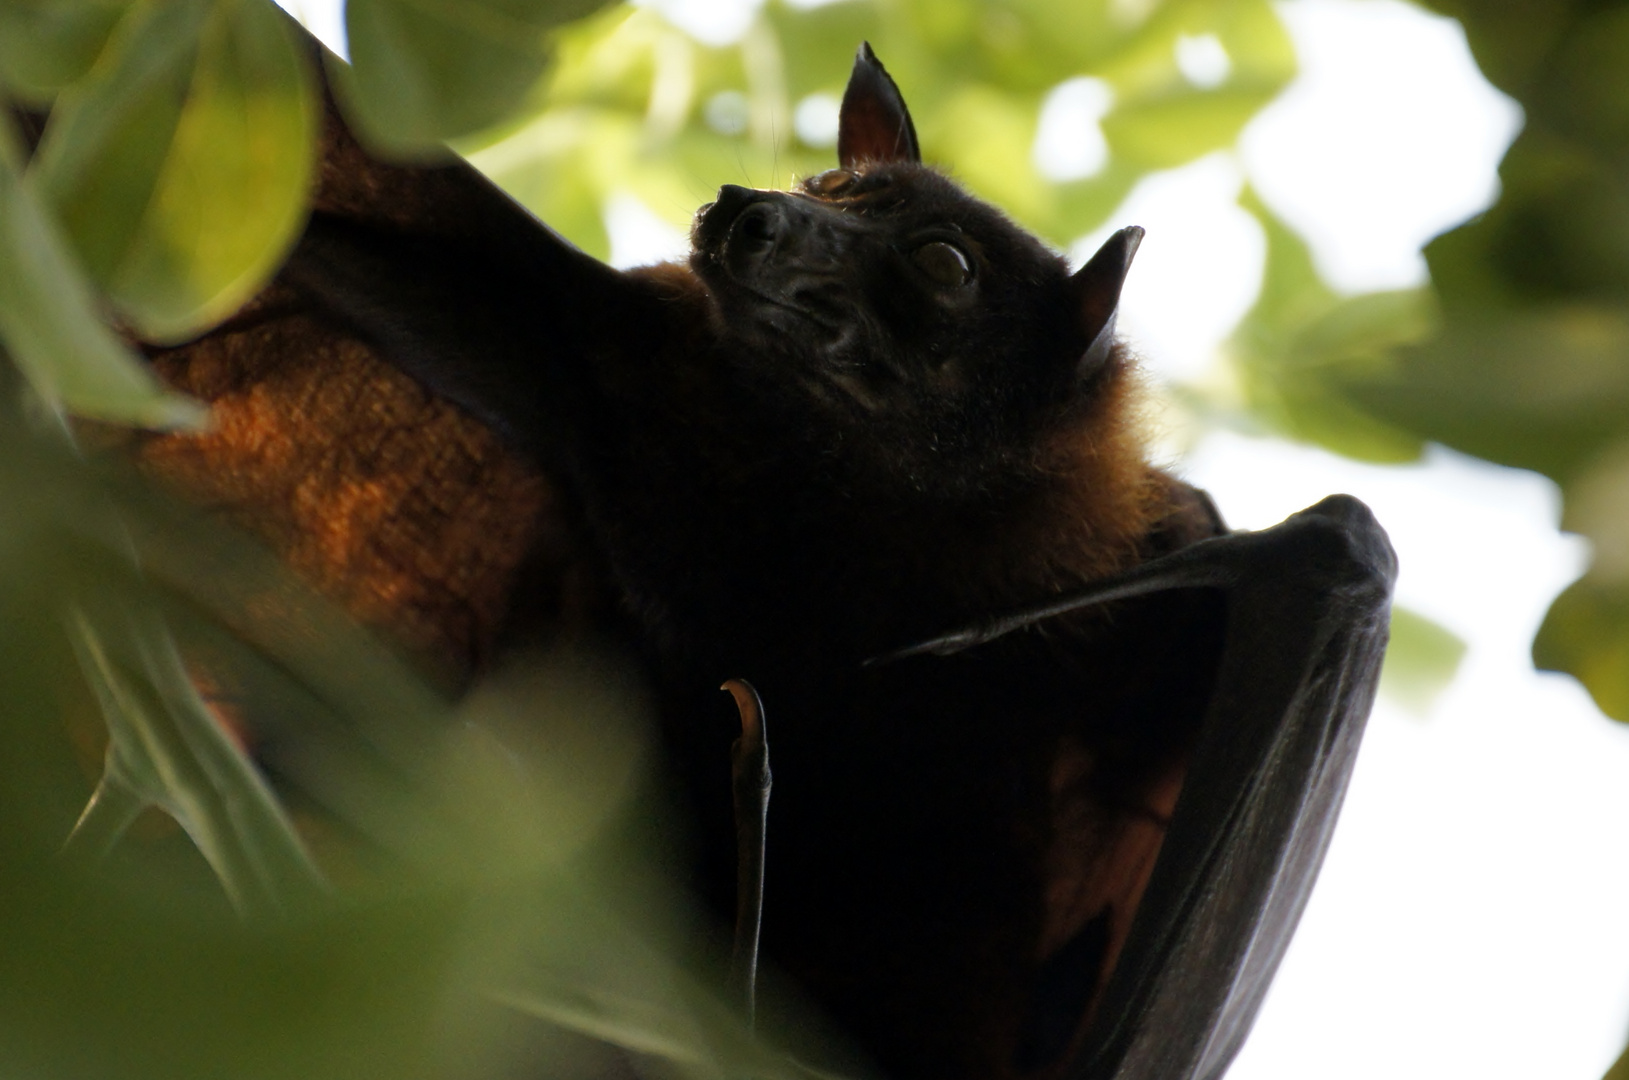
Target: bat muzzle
x=775, y=243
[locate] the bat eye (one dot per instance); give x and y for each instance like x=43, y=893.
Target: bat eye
x=944, y=263
x=831, y=182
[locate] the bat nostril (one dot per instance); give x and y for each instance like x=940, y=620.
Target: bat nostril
x=757, y=228
x=757, y=225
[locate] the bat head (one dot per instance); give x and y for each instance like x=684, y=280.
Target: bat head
x=882, y=304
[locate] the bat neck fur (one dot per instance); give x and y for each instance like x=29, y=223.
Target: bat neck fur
x=851, y=548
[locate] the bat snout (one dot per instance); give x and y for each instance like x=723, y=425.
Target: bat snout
x=735, y=208
x=764, y=237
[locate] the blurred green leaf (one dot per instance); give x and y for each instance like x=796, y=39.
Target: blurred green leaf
x=99, y=161
x=1162, y=118
x=626, y=106
x=1296, y=350
x=181, y=168
x=1586, y=634
x=47, y=44
x=597, y=979
x=1619, y=1069
x=1540, y=389
x=166, y=749
x=985, y=131
x=423, y=71
x=458, y=842
x=51, y=328
x=120, y=967
x=1421, y=660
x=1530, y=364
x=1162, y=134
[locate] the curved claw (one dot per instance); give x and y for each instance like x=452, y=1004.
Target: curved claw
x=750, y=778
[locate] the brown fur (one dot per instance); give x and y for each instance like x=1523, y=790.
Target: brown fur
x=395, y=504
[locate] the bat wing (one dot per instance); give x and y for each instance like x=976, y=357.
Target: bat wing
x=1306, y=617
x=1308, y=605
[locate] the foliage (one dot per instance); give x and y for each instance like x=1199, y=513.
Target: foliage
x=635, y=105
x=449, y=877
x=1529, y=363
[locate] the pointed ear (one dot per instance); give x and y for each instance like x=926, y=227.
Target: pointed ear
x=873, y=124
x=1096, y=290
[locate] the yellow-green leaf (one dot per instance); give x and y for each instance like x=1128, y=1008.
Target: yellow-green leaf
x=182, y=169
x=47, y=44
x=1421, y=660
x=424, y=71
x=50, y=324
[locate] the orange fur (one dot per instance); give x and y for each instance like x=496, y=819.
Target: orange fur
x=395, y=504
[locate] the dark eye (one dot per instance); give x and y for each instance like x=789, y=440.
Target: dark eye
x=944, y=263
x=830, y=183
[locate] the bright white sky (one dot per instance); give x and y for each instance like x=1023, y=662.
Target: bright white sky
x=1469, y=921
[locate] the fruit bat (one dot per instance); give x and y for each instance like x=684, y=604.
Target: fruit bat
x=1056, y=756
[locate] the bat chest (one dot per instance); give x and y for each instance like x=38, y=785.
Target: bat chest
x=960, y=838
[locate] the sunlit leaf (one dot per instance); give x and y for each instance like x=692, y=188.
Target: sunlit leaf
x=51, y=327
x=1162, y=134
x=231, y=197
x=182, y=169
x=1541, y=389
x=99, y=162
x=1296, y=350
x=423, y=71
x=47, y=44
x=1421, y=660
x=1586, y=634
x=166, y=749
x=984, y=132
x=1619, y=1069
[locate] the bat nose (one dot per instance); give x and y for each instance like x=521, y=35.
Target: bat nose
x=716, y=222
x=743, y=226
x=750, y=216
x=758, y=227
x=732, y=197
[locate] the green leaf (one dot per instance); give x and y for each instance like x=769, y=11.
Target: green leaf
x=98, y=164
x=51, y=327
x=166, y=749
x=988, y=134
x=47, y=44
x=424, y=71
x=592, y=975
x=231, y=197
x=133, y=965
x=1586, y=635
x=1300, y=347
x=1162, y=134
x=1161, y=118
x=1543, y=389
x=1619, y=1069
x=1421, y=660
x=182, y=168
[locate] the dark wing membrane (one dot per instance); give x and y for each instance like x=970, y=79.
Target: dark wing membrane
x=462, y=287
x=1223, y=701
x=1306, y=631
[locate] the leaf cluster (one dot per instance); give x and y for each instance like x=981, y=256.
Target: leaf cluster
x=1521, y=354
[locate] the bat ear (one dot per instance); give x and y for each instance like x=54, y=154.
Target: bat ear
x=874, y=124
x=1096, y=290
